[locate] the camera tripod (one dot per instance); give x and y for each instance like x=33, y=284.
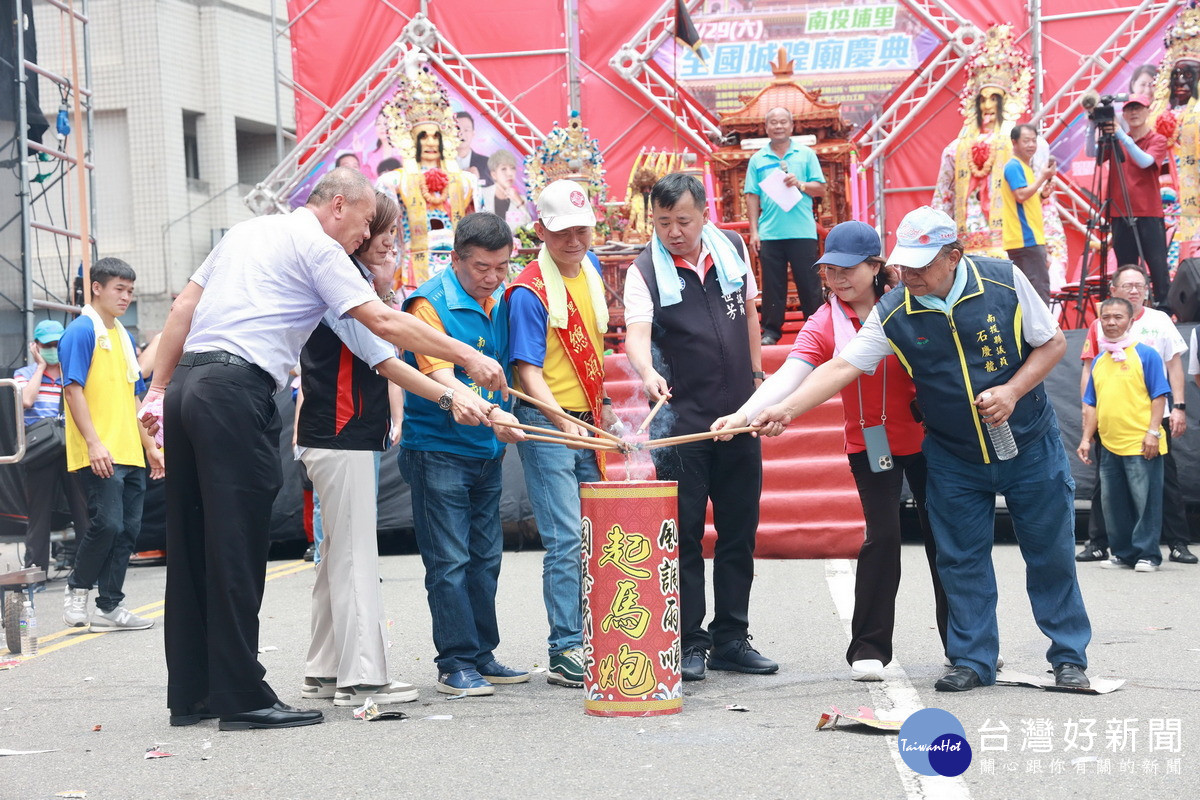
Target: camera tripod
x=1100, y=221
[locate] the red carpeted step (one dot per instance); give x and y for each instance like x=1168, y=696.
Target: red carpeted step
x=809, y=506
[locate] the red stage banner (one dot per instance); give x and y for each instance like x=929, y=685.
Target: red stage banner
x=631, y=598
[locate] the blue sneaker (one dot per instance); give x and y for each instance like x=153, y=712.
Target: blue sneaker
x=495, y=672
x=464, y=682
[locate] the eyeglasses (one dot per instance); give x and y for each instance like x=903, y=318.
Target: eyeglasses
x=1129, y=287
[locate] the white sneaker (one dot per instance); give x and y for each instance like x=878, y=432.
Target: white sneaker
x=1145, y=565
x=75, y=605
x=868, y=669
x=1115, y=563
x=119, y=619
x=318, y=688
x=394, y=692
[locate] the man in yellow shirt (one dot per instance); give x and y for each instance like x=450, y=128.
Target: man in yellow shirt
x=105, y=446
x=557, y=317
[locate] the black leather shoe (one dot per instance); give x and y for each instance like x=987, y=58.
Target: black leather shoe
x=191, y=714
x=959, y=679
x=739, y=656
x=279, y=715
x=1181, y=555
x=692, y=667
x=1092, y=552
x=1070, y=676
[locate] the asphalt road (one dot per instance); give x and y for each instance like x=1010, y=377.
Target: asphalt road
x=533, y=740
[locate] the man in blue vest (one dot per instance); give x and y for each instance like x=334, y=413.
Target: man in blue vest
x=978, y=343
x=454, y=470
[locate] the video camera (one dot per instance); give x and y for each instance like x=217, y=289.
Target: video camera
x=1100, y=107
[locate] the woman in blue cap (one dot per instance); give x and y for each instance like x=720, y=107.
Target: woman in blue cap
x=41, y=395
x=883, y=437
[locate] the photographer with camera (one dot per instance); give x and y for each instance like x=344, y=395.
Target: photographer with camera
x=1136, y=212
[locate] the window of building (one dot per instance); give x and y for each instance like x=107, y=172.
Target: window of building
x=191, y=146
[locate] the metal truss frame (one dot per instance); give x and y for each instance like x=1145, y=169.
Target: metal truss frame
x=76, y=167
x=634, y=62
x=1140, y=23
x=270, y=195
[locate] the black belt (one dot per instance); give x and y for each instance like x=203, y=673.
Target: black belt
x=582, y=416
x=222, y=357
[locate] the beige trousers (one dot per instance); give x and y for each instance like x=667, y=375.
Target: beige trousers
x=349, y=631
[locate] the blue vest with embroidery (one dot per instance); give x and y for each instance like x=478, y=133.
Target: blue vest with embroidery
x=426, y=426
x=954, y=357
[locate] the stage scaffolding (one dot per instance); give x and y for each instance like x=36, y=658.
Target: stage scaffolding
x=41, y=233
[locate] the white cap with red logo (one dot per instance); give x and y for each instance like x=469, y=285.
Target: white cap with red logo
x=564, y=204
x=920, y=236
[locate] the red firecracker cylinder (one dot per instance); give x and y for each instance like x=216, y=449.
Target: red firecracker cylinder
x=631, y=598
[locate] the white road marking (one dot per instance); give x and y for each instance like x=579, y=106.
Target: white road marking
x=895, y=696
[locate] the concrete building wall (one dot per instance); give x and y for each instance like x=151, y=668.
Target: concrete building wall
x=161, y=68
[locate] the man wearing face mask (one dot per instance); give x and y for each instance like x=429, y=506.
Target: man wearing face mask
x=41, y=395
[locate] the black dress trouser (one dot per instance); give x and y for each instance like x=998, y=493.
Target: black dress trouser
x=878, y=575
x=776, y=255
x=223, y=472
x=730, y=473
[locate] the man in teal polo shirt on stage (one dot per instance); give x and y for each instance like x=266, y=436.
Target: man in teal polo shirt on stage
x=784, y=234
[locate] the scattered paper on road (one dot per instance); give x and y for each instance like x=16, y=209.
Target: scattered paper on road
x=154, y=752
x=865, y=716
x=25, y=752
x=1099, y=685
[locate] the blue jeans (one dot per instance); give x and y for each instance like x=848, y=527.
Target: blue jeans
x=961, y=498
x=552, y=477
x=114, y=522
x=1133, y=502
x=456, y=514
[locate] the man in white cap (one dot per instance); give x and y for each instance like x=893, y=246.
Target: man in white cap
x=978, y=342
x=558, y=316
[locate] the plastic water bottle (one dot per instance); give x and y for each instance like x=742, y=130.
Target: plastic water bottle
x=28, y=631
x=1002, y=438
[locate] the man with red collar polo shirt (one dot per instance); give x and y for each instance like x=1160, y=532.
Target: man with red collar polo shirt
x=978, y=344
x=557, y=317
x=687, y=297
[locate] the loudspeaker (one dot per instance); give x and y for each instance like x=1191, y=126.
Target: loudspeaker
x=1184, y=298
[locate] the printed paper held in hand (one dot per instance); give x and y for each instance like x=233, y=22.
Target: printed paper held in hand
x=784, y=196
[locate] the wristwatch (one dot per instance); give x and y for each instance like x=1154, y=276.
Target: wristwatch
x=1180, y=406
x=446, y=400
x=1155, y=434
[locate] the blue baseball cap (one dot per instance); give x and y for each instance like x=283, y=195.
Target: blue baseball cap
x=48, y=331
x=922, y=233
x=848, y=244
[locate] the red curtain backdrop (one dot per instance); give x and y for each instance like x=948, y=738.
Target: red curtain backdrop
x=335, y=41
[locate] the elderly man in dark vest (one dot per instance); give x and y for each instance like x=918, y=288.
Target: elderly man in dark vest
x=978, y=343
x=693, y=336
